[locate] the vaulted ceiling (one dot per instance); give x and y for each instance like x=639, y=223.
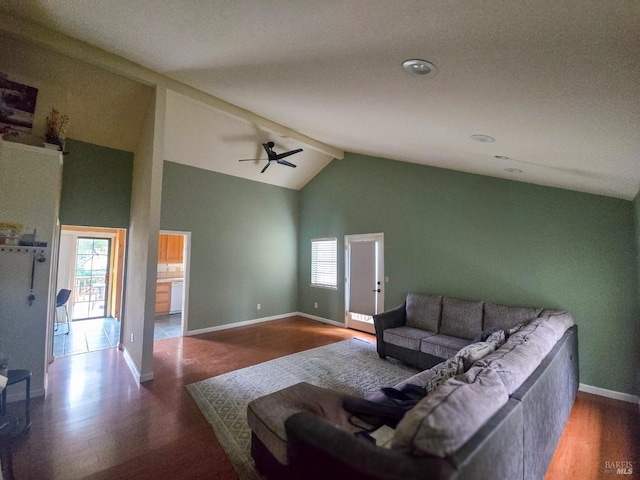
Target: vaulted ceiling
x=555, y=82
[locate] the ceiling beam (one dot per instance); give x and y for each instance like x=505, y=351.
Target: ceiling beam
x=43, y=37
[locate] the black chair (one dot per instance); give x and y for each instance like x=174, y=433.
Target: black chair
x=61, y=301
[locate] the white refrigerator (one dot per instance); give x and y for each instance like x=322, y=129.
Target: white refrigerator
x=30, y=185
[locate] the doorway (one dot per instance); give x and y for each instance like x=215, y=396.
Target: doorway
x=91, y=265
x=91, y=277
x=364, y=273
x=172, y=284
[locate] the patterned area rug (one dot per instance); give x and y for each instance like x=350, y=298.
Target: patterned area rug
x=351, y=366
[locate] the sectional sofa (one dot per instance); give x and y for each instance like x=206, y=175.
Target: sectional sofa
x=426, y=329
x=497, y=410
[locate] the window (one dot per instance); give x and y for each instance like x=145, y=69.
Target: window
x=324, y=263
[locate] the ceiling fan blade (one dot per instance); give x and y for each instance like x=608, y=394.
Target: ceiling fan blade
x=252, y=159
x=286, y=154
x=288, y=164
x=265, y=167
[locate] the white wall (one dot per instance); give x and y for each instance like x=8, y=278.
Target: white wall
x=30, y=179
x=139, y=313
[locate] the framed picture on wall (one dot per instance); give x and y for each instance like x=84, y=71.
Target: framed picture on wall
x=17, y=104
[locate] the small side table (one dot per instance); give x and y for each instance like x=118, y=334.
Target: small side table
x=13, y=377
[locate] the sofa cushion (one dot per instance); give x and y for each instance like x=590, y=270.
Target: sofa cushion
x=559, y=321
x=551, y=311
x=537, y=333
x=483, y=335
x=525, y=349
x=407, y=337
x=514, y=329
x=423, y=311
x=513, y=363
x=504, y=317
x=461, y=318
x=497, y=338
x=443, y=421
x=442, y=346
x=441, y=373
x=473, y=352
x=420, y=379
x=266, y=414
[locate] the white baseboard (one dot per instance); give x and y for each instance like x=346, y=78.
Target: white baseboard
x=321, y=319
x=238, y=324
x=20, y=393
x=134, y=368
x=263, y=319
x=603, y=392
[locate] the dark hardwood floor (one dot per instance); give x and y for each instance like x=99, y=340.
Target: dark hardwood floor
x=96, y=422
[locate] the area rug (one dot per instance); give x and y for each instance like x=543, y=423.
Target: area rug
x=351, y=366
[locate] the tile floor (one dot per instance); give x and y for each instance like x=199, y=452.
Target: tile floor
x=100, y=333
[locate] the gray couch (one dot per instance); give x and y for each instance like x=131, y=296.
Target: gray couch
x=426, y=329
x=501, y=418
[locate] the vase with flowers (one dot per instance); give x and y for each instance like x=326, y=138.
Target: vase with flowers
x=57, y=124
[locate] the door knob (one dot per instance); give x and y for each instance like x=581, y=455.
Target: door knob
x=377, y=290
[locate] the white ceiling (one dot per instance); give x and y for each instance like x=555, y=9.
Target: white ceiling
x=556, y=82
x=201, y=136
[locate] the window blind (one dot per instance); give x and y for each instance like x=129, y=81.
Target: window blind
x=324, y=262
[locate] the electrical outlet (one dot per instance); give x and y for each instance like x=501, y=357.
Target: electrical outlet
x=315, y=305
x=132, y=338
x=259, y=306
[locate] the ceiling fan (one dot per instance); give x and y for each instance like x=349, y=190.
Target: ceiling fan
x=273, y=156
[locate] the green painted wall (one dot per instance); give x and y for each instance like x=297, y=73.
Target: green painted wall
x=636, y=204
x=96, y=186
x=243, y=244
x=484, y=238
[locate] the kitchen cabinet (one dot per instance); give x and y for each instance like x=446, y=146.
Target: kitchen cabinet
x=170, y=248
x=163, y=298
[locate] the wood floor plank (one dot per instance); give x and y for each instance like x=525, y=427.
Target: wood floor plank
x=97, y=423
x=599, y=430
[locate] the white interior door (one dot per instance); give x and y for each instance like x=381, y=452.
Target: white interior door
x=364, y=280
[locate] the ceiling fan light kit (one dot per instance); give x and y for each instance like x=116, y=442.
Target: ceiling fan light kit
x=274, y=157
x=483, y=138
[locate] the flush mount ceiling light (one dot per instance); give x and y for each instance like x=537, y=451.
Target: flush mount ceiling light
x=419, y=67
x=513, y=170
x=483, y=138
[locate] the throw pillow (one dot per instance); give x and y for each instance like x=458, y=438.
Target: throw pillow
x=483, y=335
x=470, y=354
x=443, y=372
x=515, y=329
x=497, y=338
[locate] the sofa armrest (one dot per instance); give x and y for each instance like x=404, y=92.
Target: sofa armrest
x=318, y=450
x=393, y=318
